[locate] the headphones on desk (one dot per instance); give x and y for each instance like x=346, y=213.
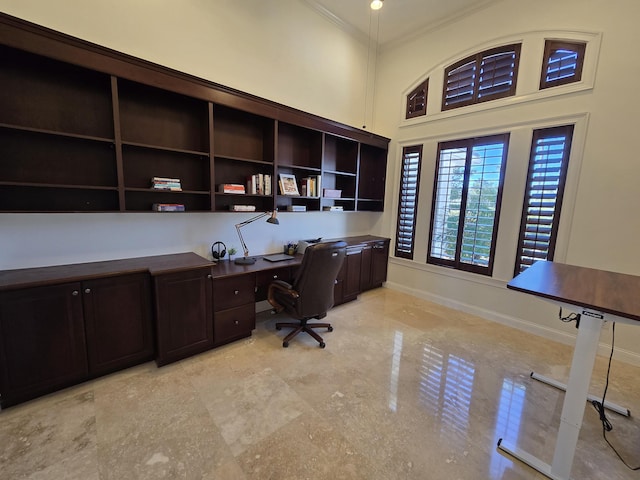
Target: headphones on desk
x=218, y=250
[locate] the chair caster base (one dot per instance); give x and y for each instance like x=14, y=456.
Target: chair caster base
x=285, y=344
x=330, y=328
x=322, y=345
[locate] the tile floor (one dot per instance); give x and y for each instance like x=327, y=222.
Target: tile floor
x=405, y=389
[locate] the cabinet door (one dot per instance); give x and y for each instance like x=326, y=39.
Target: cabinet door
x=351, y=274
x=379, y=261
x=365, y=270
x=184, y=314
x=42, y=341
x=117, y=312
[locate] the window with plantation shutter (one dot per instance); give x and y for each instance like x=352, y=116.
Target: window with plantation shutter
x=550, y=149
x=482, y=77
x=466, y=203
x=417, y=100
x=408, y=202
x=562, y=63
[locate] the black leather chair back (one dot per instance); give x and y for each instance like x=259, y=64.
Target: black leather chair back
x=316, y=278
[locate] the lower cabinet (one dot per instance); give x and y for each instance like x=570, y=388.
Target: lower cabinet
x=55, y=336
x=364, y=268
x=184, y=313
x=234, y=314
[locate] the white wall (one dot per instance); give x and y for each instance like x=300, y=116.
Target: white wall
x=600, y=225
x=283, y=51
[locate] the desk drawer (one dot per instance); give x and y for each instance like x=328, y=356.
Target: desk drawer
x=234, y=323
x=265, y=277
x=233, y=291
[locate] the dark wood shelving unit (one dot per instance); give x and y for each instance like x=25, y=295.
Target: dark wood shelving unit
x=84, y=129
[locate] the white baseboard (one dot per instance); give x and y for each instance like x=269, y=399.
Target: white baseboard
x=604, y=349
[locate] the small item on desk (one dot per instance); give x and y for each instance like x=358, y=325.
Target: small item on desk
x=290, y=248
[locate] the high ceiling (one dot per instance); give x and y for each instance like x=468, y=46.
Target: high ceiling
x=397, y=18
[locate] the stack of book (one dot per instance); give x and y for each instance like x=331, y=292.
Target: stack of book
x=296, y=208
x=242, y=208
x=235, y=188
x=311, y=186
x=167, y=207
x=259, y=184
x=165, y=183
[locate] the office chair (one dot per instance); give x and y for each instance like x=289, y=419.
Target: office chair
x=311, y=294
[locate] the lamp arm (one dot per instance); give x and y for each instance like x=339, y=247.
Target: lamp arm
x=247, y=222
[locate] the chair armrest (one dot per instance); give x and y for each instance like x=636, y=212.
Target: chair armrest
x=280, y=286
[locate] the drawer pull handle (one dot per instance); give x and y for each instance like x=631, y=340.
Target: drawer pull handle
x=74, y=293
x=209, y=276
x=275, y=276
x=235, y=292
x=236, y=322
x=87, y=290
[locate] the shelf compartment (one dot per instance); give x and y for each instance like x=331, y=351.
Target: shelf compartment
x=142, y=201
x=242, y=135
x=46, y=94
x=312, y=203
x=371, y=178
x=368, y=205
x=151, y=116
x=348, y=204
x=234, y=171
x=30, y=157
x=336, y=181
x=140, y=164
x=340, y=154
x=17, y=198
x=224, y=201
x=299, y=147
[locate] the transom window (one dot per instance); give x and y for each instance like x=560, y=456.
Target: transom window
x=417, y=101
x=562, y=63
x=546, y=178
x=482, y=77
x=466, y=203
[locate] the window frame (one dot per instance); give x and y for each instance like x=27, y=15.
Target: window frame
x=477, y=59
x=409, y=150
x=420, y=90
x=553, y=45
x=538, y=134
x=469, y=144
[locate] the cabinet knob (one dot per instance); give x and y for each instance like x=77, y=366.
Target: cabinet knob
x=235, y=292
x=275, y=276
x=209, y=276
x=87, y=290
x=236, y=322
x=74, y=293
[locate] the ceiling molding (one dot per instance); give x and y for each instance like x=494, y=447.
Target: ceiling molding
x=342, y=24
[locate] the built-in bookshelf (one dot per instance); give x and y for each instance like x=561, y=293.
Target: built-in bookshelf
x=85, y=129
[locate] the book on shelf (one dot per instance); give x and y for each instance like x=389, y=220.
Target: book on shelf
x=296, y=208
x=331, y=193
x=333, y=208
x=259, y=184
x=288, y=184
x=235, y=188
x=168, y=207
x=311, y=186
x=242, y=208
x=166, y=183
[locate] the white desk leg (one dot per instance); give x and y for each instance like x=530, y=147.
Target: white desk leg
x=584, y=357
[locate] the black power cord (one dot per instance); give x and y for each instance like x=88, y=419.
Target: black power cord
x=599, y=406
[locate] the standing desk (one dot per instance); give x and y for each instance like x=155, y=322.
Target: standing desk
x=598, y=296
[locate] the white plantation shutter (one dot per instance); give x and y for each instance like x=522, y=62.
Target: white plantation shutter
x=408, y=201
x=543, y=197
x=417, y=101
x=482, y=77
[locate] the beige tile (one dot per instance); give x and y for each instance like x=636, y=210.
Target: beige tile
x=405, y=389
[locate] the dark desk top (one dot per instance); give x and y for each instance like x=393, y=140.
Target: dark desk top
x=154, y=265
x=609, y=292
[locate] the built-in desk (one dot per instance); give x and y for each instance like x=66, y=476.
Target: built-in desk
x=62, y=325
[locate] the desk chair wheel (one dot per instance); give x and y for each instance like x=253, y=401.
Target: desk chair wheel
x=330, y=328
x=322, y=345
x=285, y=344
x=278, y=328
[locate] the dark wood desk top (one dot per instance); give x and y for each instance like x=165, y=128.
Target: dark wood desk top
x=609, y=292
x=154, y=265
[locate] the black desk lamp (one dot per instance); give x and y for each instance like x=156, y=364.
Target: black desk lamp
x=247, y=260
